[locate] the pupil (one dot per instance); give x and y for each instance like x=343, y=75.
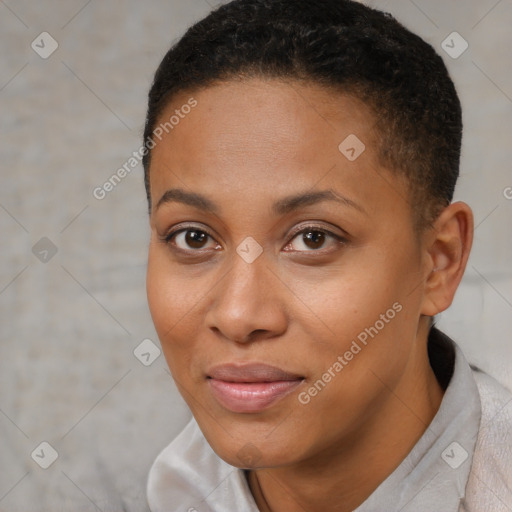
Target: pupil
x=195, y=238
x=316, y=238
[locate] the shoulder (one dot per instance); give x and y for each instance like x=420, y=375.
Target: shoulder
x=188, y=475
x=496, y=401
x=490, y=481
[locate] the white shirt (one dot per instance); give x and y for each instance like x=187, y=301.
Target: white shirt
x=462, y=462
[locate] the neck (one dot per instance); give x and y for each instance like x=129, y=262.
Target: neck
x=346, y=476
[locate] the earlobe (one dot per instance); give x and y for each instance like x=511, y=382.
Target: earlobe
x=448, y=252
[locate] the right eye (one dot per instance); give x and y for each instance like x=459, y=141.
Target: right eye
x=189, y=239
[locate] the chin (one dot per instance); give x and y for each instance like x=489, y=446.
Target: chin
x=249, y=456
x=250, y=448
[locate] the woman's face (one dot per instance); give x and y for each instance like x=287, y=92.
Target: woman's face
x=327, y=289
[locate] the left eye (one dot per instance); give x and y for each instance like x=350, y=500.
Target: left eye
x=313, y=238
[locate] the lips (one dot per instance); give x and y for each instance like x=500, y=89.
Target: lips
x=250, y=388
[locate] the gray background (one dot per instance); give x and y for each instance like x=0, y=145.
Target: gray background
x=68, y=375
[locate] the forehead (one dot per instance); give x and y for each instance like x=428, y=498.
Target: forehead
x=271, y=137
x=256, y=112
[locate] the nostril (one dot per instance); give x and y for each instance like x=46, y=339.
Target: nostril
x=251, y=336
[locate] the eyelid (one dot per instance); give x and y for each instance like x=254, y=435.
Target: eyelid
x=312, y=225
x=184, y=227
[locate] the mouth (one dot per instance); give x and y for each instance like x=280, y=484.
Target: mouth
x=250, y=388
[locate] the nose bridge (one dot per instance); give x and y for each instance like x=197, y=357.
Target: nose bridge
x=246, y=299
x=246, y=285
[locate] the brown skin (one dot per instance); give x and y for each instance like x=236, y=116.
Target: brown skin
x=246, y=145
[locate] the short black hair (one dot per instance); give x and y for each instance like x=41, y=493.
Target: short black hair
x=344, y=46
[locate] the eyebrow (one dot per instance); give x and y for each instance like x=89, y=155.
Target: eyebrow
x=281, y=207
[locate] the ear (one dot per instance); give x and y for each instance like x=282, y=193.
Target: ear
x=448, y=247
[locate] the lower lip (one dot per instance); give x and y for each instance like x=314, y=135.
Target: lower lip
x=250, y=397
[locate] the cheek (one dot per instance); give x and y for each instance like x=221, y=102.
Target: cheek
x=171, y=300
x=178, y=298
x=348, y=297
x=159, y=293
x=365, y=310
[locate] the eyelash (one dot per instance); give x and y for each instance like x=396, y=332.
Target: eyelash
x=306, y=229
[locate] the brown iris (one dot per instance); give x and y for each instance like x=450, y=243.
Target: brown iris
x=314, y=239
x=195, y=239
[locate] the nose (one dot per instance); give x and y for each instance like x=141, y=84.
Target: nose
x=248, y=303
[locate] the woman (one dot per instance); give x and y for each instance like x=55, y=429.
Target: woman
x=300, y=164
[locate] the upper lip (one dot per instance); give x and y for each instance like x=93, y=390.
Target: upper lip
x=250, y=372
